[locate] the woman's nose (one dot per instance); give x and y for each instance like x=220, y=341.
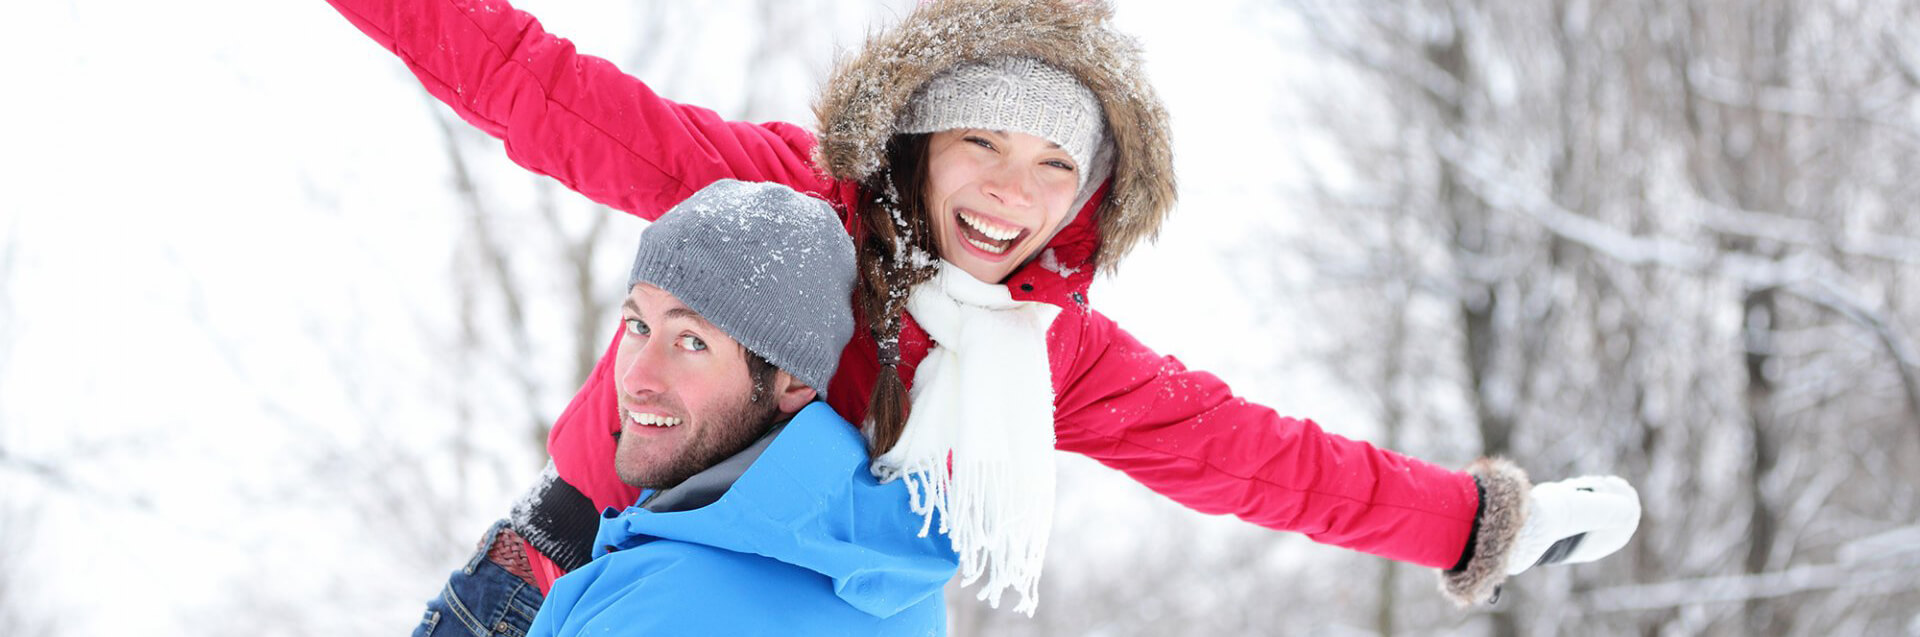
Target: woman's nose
x=1010, y=185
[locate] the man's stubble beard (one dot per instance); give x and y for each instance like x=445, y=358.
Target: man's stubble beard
x=740, y=424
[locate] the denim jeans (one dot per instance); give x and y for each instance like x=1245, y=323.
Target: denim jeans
x=481, y=600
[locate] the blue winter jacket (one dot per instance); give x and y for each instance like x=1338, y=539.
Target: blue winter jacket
x=804, y=542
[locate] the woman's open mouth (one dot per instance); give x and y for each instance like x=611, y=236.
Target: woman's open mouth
x=987, y=235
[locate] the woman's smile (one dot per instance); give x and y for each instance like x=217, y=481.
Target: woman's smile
x=996, y=197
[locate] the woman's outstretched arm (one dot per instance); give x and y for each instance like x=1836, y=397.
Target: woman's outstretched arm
x=577, y=117
x=1184, y=434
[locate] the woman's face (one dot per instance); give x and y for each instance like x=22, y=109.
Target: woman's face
x=996, y=197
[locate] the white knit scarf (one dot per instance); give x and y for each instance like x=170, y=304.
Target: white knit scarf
x=982, y=402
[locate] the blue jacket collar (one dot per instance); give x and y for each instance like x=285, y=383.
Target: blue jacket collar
x=810, y=500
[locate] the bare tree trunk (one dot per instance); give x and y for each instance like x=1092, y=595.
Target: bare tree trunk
x=1393, y=416
x=1761, y=315
x=1472, y=245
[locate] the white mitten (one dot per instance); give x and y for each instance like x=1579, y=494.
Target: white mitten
x=1575, y=520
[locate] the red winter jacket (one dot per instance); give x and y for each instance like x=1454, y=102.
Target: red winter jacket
x=1180, y=432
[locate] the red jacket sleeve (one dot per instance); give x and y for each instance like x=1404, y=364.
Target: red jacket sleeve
x=582, y=441
x=1185, y=435
x=576, y=117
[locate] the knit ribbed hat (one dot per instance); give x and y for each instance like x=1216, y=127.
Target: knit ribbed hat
x=770, y=266
x=1016, y=94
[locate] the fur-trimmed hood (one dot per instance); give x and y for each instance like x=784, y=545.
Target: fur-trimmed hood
x=861, y=103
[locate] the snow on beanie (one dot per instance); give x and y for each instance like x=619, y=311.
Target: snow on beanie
x=770, y=266
x=1016, y=94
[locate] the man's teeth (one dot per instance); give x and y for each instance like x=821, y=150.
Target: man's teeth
x=991, y=230
x=652, y=420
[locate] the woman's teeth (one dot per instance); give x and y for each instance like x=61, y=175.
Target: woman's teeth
x=991, y=230
x=999, y=237
x=996, y=249
x=652, y=420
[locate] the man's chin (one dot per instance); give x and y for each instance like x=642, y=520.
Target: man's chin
x=640, y=478
x=638, y=466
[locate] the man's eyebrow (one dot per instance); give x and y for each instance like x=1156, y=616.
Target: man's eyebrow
x=688, y=313
x=678, y=312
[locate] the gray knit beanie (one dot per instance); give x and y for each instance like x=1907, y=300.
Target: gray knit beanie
x=1017, y=94
x=770, y=266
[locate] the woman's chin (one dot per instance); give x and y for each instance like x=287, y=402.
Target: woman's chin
x=985, y=272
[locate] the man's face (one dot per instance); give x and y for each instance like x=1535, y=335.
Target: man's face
x=686, y=398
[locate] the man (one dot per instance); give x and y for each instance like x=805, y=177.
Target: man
x=759, y=514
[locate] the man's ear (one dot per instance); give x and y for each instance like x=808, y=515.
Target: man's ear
x=791, y=393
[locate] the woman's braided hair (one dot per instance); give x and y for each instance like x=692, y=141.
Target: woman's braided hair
x=896, y=254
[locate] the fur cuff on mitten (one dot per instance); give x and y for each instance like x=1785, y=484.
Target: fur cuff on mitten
x=1503, y=511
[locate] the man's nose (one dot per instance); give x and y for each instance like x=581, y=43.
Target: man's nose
x=642, y=374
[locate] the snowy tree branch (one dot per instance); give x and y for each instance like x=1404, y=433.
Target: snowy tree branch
x=1826, y=293
x=1410, y=70
x=497, y=260
x=1868, y=106
x=1882, y=580
x=47, y=472
x=54, y=475
x=1789, y=101
x=1802, y=232
x=1802, y=274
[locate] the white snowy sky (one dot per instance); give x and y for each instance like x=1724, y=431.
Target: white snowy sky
x=210, y=212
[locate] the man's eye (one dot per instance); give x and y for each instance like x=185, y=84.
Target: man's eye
x=692, y=343
x=637, y=328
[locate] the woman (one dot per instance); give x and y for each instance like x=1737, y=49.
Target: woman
x=988, y=158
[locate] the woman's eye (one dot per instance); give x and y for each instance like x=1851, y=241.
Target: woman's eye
x=637, y=328
x=979, y=141
x=692, y=343
x=1060, y=164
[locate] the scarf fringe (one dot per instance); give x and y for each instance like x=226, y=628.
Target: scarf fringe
x=977, y=451
x=1007, y=560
